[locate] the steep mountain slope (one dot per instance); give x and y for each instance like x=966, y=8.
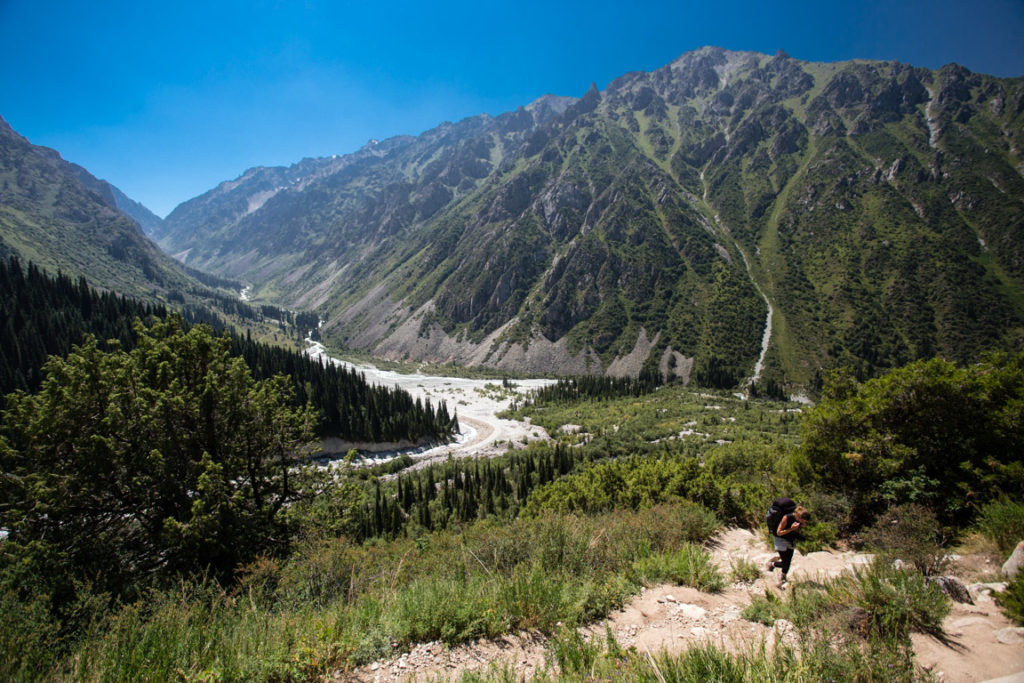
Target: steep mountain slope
x=730, y=215
x=151, y=224
x=60, y=217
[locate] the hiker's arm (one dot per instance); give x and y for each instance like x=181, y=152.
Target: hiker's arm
x=783, y=529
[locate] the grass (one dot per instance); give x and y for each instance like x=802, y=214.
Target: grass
x=690, y=565
x=334, y=605
x=878, y=601
x=1002, y=521
x=671, y=413
x=813, y=657
x=744, y=571
x=1011, y=601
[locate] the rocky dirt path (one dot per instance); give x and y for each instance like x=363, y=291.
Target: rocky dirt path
x=985, y=645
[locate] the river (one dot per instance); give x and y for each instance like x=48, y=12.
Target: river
x=476, y=402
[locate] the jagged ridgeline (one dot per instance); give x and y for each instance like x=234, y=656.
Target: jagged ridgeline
x=42, y=315
x=872, y=212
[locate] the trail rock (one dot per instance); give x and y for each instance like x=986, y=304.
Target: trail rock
x=692, y=611
x=1012, y=566
x=953, y=588
x=1013, y=635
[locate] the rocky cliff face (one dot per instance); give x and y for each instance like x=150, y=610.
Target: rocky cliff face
x=871, y=213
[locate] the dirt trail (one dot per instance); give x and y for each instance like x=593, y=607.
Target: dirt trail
x=985, y=647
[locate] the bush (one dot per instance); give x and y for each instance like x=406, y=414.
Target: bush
x=744, y=570
x=689, y=566
x=1003, y=521
x=1012, y=600
x=926, y=433
x=877, y=602
x=29, y=638
x=911, y=533
x=131, y=468
x=890, y=603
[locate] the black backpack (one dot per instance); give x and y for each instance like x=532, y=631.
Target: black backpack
x=779, y=508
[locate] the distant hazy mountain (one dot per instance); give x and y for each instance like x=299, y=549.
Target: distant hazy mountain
x=877, y=208
x=60, y=217
x=151, y=224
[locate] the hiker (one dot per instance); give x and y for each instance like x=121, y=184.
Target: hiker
x=786, y=533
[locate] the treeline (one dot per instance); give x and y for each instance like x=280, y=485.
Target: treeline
x=576, y=388
x=460, y=491
x=209, y=280
x=43, y=315
x=349, y=407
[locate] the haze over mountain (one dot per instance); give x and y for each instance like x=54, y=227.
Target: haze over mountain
x=59, y=216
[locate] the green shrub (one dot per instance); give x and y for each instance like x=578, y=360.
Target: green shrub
x=910, y=532
x=450, y=610
x=765, y=609
x=875, y=602
x=818, y=535
x=670, y=525
x=891, y=603
x=1012, y=600
x=572, y=653
x=690, y=565
x=29, y=638
x=1003, y=521
x=744, y=570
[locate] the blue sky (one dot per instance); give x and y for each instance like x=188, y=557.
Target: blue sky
x=165, y=100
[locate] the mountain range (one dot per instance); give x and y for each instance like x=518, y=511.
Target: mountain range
x=729, y=217
x=57, y=215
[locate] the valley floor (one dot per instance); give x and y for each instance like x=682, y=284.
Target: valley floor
x=985, y=645
x=475, y=401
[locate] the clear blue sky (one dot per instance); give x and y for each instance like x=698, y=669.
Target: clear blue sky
x=167, y=99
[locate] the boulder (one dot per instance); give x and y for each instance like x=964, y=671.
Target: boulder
x=1012, y=567
x=953, y=588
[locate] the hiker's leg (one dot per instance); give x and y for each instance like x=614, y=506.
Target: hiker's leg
x=786, y=556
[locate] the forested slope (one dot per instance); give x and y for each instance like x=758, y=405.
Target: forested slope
x=41, y=315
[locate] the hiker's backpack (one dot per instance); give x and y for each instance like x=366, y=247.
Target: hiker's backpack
x=779, y=508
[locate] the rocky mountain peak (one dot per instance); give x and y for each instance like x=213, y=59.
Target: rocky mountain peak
x=662, y=225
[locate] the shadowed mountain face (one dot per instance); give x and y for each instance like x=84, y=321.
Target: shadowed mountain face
x=58, y=216
x=728, y=215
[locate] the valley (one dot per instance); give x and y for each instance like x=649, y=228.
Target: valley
x=728, y=217
x=475, y=402
x=756, y=276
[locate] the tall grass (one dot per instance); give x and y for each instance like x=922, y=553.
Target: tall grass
x=1003, y=521
x=690, y=565
x=816, y=656
x=334, y=605
x=877, y=601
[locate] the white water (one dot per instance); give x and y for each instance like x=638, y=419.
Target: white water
x=932, y=121
x=766, y=336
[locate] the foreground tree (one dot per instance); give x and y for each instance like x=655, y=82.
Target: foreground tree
x=128, y=467
x=929, y=433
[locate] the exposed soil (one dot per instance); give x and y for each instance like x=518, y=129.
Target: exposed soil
x=983, y=645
